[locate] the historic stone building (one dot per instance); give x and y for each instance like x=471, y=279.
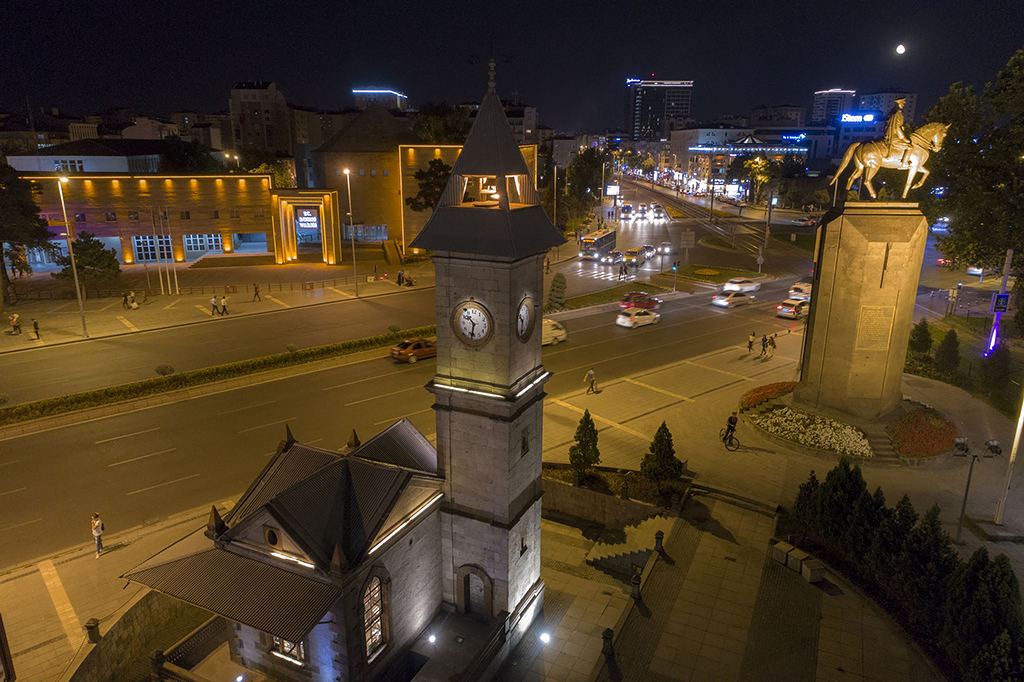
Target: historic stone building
x=337, y=566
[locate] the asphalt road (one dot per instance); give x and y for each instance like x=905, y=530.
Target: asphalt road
x=151, y=463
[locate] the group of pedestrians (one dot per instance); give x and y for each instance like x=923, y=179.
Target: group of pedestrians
x=767, y=344
x=15, y=322
x=128, y=301
x=623, y=271
x=222, y=308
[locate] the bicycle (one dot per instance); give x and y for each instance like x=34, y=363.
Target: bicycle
x=733, y=444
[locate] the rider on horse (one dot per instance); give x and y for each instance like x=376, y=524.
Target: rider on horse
x=896, y=137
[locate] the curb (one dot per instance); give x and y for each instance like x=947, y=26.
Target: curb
x=188, y=324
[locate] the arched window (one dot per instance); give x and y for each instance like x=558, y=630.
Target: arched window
x=374, y=616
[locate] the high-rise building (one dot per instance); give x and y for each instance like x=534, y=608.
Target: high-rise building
x=389, y=99
x=829, y=104
x=781, y=115
x=885, y=100
x=260, y=117
x=656, y=107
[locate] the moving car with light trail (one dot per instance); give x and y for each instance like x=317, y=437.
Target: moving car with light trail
x=612, y=258
x=793, y=308
x=741, y=284
x=637, y=317
x=640, y=299
x=731, y=299
x=412, y=350
x=636, y=256
x=552, y=332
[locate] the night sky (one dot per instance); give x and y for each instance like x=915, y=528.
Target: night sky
x=570, y=60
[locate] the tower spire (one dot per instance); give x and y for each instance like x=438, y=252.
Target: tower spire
x=490, y=74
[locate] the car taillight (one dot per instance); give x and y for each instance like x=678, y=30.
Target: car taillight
x=778, y=307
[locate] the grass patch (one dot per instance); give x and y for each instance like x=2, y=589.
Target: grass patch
x=611, y=483
x=610, y=295
x=712, y=273
x=717, y=242
x=173, y=382
x=804, y=242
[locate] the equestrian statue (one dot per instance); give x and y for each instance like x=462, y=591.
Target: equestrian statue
x=898, y=149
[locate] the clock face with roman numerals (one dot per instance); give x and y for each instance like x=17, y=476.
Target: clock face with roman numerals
x=525, y=319
x=472, y=323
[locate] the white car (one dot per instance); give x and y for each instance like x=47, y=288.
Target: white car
x=552, y=333
x=793, y=308
x=731, y=299
x=800, y=291
x=741, y=284
x=636, y=317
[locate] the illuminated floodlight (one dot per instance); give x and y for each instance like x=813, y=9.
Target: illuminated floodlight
x=432, y=639
x=545, y=637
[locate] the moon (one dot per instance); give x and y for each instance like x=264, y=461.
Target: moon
x=901, y=48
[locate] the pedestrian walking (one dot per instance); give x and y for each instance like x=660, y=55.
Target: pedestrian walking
x=256, y=293
x=132, y=305
x=547, y=266
x=223, y=305
x=213, y=305
x=97, y=532
x=35, y=327
x=16, y=324
x=591, y=379
x=124, y=300
x=771, y=345
x=400, y=278
x=764, y=346
x=750, y=342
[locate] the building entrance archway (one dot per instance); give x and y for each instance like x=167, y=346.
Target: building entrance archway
x=474, y=591
x=308, y=216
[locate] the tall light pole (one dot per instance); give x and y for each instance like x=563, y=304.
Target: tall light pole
x=238, y=164
x=71, y=254
x=352, y=229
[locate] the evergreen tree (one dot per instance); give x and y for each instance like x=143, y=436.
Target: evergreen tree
x=947, y=355
x=806, y=501
x=94, y=262
x=432, y=181
x=584, y=455
x=920, y=338
x=888, y=542
x=842, y=486
x=660, y=463
x=865, y=518
x=20, y=224
x=556, y=294
x=923, y=570
x=1000, y=661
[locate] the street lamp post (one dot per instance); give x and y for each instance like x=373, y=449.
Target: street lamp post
x=352, y=230
x=1001, y=506
x=71, y=255
x=238, y=164
x=961, y=448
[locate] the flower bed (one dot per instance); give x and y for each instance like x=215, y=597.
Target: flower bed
x=766, y=392
x=922, y=433
x=813, y=431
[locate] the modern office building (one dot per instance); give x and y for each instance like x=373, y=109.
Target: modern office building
x=380, y=97
x=885, y=100
x=709, y=163
x=681, y=141
x=656, y=107
x=782, y=115
x=260, y=117
x=828, y=104
x=93, y=156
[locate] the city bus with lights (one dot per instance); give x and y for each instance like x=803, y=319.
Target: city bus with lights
x=594, y=246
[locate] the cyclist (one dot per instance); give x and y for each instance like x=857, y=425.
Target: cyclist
x=730, y=427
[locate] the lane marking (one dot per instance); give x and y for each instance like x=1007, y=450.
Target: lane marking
x=7, y=464
x=19, y=525
x=659, y=390
x=403, y=416
x=11, y=492
x=247, y=407
x=383, y=395
x=109, y=305
x=715, y=369
x=374, y=378
x=136, y=459
x=343, y=293
x=280, y=303
x=59, y=596
x=253, y=428
x=161, y=485
x=205, y=309
x=172, y=304
x=128, y=324
x=603, y=420
x=127, y=435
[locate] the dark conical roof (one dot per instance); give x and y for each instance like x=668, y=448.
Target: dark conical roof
x=490, y=148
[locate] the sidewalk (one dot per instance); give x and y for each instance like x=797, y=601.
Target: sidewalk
x=60, y=322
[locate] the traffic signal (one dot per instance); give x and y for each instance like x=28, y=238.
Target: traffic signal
x=675, y=265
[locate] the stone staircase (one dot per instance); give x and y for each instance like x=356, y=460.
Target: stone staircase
x=618, y=552
x=763, y=406
x=879, y=441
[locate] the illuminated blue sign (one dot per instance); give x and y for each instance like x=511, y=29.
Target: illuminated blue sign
x=795, y=138
x=857, y=118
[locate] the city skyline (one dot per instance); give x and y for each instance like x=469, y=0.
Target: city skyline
x=200, y=61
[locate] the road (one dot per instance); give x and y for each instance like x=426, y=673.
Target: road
x=151, y=463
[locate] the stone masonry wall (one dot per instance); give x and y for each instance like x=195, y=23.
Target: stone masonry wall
x=606, y=510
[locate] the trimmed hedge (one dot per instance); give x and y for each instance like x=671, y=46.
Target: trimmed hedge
x=141, y=389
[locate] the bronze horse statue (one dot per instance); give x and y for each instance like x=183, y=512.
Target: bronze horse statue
x=868, y=157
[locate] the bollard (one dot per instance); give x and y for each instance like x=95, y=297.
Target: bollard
x=624, y=493
x=606, y=646
x=635, y=586
x=659, y=538
x=92, y=630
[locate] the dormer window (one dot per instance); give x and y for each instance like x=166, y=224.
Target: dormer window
x=293, y=652
x=272, y=536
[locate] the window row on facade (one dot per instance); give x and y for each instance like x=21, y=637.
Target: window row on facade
x=362, y=171
x=133, y=216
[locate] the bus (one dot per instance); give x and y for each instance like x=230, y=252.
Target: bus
x=593, y=246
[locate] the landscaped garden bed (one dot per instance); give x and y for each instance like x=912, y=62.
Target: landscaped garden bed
x=921, y=433
x=813, y=431
x=712, y=274
x=760, y=394
x=612, y=482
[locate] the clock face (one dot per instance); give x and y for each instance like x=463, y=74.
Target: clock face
x=472, y=322
x=524, y=319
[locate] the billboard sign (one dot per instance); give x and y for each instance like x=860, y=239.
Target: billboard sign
x=611, y=191
x=307, y=218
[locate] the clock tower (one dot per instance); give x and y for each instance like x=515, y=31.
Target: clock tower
x=489, y=236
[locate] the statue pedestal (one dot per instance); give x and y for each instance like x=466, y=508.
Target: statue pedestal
x=862, y=308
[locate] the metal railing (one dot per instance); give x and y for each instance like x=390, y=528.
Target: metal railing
x=198, y=644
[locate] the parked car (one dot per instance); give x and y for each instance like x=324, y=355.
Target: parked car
x=793, y=308
x=412, y=350
x=552, y=332
x=640, y=299
x=800, y=291
x=649, y=251
x=666, y=248
x=636, y=256
x=636, y=317
x=612, y=257
x=741, y=284
x=731, y=299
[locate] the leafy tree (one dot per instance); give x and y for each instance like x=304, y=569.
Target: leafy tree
x=888, y=542
x=648, y=165
x=584, y=454
x=583, y=177
x=923, y=569
x=180, y=156
x=996, y=370
x=438, y=123
x=94, y=262
x=20, y=224
x=253, y=157
x=921, y=338
x=281, y=172
x=556, y=294
x=660, y=463
x=432, y=181
x=19, y=261
x=947, y=355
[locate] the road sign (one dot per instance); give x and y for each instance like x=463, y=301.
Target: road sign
x=760, y=260
x=687, y=239
x=1000, y=303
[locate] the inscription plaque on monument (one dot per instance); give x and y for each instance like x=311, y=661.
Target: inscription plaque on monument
x=875, y=327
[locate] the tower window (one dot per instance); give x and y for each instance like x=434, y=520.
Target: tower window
x=293, y=651
x=374, y=617
x=522, y=544
x=524, y=443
